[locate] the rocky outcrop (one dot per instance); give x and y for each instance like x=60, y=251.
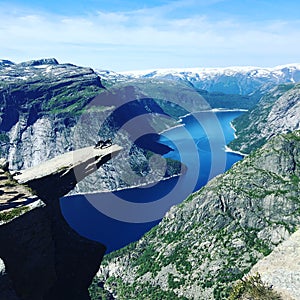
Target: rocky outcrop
x=217, y=234
x=281, y=269
x=277, y=112
x=41, y=256
x=39, y=62
x=65, y=171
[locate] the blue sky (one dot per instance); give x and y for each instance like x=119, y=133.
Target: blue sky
x=129, y=35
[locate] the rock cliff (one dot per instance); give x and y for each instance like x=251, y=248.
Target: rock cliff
x=281, y=269
x=41, y=256
x=217, y=234
x=277, y=112
x=38, y=105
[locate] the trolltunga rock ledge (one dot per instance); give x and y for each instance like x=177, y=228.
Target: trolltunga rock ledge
x=84, y=159
x=65, y=171
x=41, y=257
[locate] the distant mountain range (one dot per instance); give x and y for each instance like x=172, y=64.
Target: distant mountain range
x=229, y=80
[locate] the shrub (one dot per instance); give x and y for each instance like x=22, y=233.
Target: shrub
x=252, y=287
x=8, y=215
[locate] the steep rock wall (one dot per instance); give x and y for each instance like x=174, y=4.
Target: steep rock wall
x=43, y=257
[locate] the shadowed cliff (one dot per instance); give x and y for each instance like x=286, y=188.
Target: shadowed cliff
x=41, y=256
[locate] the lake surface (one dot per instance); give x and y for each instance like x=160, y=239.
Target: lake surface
x=118, y=218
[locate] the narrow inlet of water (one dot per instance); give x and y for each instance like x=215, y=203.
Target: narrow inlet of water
x=199, y=144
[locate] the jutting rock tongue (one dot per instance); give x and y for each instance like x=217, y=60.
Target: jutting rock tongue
x=43, y=258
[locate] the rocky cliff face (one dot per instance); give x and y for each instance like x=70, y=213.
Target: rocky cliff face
x=216, y=235
x=281, y=269
x=38, y=100
x=41, y=256
x=277, y=112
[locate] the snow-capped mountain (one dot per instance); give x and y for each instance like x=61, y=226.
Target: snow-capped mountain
x=110, y=77
x=5, y=63
x=231, y=80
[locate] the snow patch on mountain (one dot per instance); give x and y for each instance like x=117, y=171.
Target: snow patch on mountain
x=204, y=72
x=235, y=80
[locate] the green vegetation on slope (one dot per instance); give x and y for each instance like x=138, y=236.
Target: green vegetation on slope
x=72, y=100
x=13, y=213
x=211, y=240
x=51, y=98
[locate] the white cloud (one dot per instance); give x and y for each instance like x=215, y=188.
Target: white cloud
x=146, y=38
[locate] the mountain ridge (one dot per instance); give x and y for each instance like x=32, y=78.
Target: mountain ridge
x=211, y=69
x=231, y=80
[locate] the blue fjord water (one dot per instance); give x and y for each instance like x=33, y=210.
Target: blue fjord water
x=199, y=144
